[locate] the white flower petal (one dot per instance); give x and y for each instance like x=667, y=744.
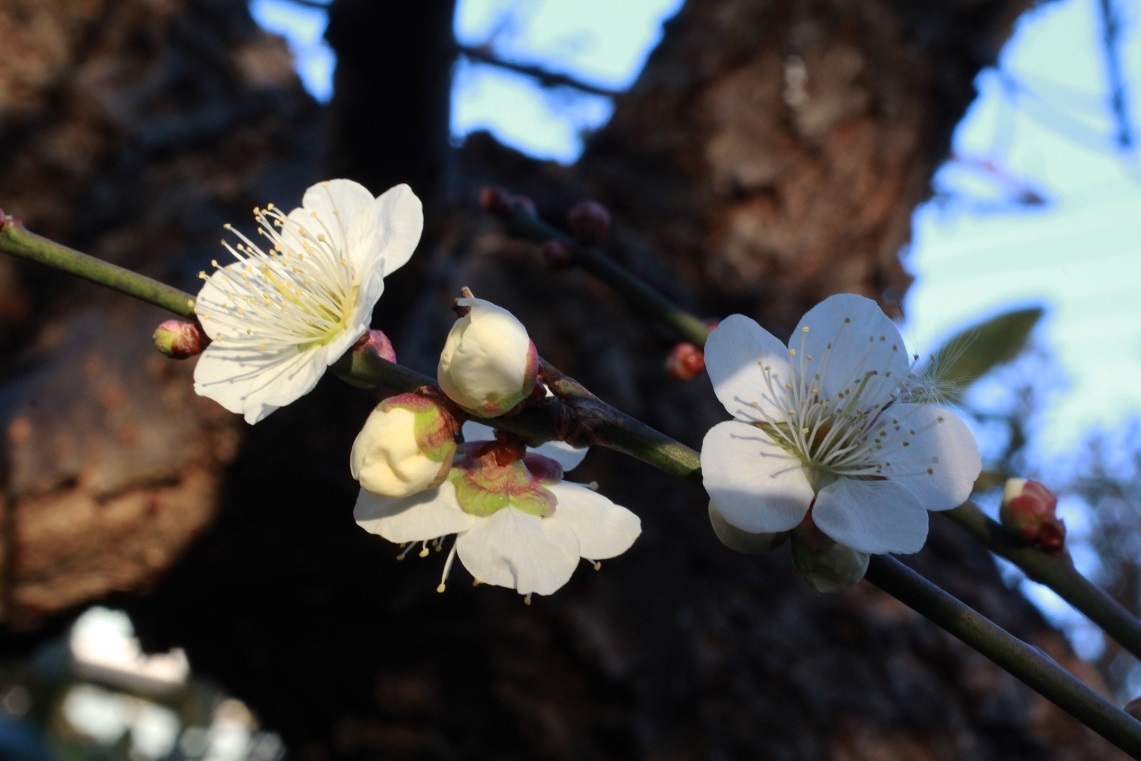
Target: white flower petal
x=849, y=336
x=561, y=452
x=520, y=551
x=942, y=444
x=604, y=529
x=419, y=518
x=737, y=351
x=871, y=516
x=256, y=382
x=337, y=203
x=473, y=431
x=389, y=229
x=757, y=486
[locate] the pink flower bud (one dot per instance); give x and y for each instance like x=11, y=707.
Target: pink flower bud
x=1133, y=708
x=589, y=222
x=1029, y=512
x=558, y=255
x=179, y=339
x=377, y=344
x=685, y=362
x=496, y=200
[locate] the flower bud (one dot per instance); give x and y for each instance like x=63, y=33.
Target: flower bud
x=1029, y=511
x=739, y=540
x=589, y=222
x=1133, y=708
x=826, y=565
x=558, y=255
x=488, y=364
x=685, y=362
x=179, y=339
x=375, y=342
x=406, y=446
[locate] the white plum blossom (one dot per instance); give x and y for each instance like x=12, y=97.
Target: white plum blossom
x=288, y=308
x=518, y=524
x=826, y=429
x=489, y=363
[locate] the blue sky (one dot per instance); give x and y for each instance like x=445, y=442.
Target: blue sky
x=1079, y=254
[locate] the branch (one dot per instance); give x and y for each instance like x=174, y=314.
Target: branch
x=525, y=224
x=1118, y=98
x=1057, y=573
x=1029, y=664
x=544, y=77
x=16, y=240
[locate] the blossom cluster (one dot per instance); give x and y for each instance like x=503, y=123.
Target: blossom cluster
x=830, y=445
x=284, y=311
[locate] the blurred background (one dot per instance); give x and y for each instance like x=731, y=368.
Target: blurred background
x=762, y=158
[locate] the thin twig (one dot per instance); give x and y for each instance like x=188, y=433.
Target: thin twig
x=594, y=260
x=1118, y=98
x=544, y=77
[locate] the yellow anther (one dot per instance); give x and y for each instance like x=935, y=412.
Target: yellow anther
x=440, y=588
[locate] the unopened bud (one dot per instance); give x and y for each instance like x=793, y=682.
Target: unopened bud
x=488, y=364
x=376, y=343
x=558, y=255
x=179, y=339
x=406, y=446
x=826, y=565
x=1029, y=512
x=685, y=362
x=739, y=540
x=496, y=200
x=589, y=222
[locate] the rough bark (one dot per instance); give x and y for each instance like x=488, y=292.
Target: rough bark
x=133, y=129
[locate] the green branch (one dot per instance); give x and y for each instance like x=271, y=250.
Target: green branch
x=1057, y=573
x=1029, y=664
x=15, y=240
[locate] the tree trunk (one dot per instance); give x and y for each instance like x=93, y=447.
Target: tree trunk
x=769, y=155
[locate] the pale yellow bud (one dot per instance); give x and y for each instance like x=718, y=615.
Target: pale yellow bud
x=488, y=364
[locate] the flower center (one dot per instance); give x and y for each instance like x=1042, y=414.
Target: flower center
x=491, y=475
x=298, y=293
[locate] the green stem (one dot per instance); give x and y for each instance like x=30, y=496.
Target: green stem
x=1028, y=664
x=1056, y=572
x=16, y=240
x=595, y=261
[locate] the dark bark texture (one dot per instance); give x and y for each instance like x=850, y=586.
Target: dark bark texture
x=770, y=154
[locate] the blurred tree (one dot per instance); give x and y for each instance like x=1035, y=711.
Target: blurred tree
x=770, y=154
